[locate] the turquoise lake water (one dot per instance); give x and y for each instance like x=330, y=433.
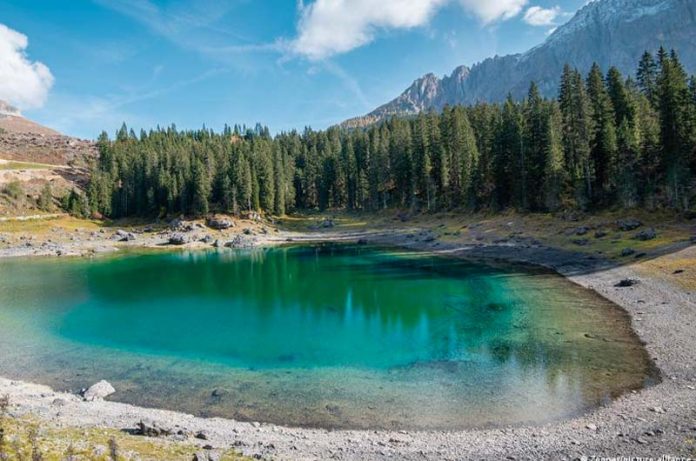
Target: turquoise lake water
x=325, y=336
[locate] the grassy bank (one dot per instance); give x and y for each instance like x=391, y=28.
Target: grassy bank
x=28, y=439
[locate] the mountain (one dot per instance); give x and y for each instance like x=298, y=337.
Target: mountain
x=12, y=121
x=609, y=32
x=26, y=141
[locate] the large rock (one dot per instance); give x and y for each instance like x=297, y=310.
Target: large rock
x=178, y=239
x=646, y=234
x=219, y=223
x=240, y=241
x=628, y=224
x=150, y=428
x=98, y=391
x=123, y=236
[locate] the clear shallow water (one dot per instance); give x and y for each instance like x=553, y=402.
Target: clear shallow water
x=327, y=336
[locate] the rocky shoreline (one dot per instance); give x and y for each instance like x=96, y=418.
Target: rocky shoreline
x=657, y=421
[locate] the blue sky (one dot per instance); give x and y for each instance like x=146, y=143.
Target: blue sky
x=83, y=66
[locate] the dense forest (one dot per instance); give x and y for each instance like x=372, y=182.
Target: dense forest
x=607, y=141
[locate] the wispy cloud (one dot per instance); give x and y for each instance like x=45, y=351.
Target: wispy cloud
x=71, y=114
x=538, y=16
x=189, y=25
x=23, y=82
x=347, y=80
x=489, y=11
x=331, y=27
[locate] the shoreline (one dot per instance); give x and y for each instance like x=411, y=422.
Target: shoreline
x=656, y=421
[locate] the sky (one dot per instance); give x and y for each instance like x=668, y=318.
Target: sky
x=87, y=66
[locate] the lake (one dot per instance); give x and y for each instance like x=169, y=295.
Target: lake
x=325, y=336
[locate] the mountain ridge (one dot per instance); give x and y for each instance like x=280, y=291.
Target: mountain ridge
x=609, y=32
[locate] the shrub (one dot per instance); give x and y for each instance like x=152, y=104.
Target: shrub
x=45, y=201
x=14, y=189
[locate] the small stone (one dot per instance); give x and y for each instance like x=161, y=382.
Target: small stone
x=59, y=402
x=641, y=441
x=626, y=283
x=591, y=427
x=202, y=435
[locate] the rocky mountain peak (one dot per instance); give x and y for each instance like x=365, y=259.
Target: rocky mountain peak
x=609, y=32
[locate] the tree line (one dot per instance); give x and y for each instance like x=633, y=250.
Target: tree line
x=606, y=141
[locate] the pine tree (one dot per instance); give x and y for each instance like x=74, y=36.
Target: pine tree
x=555, y=172
x=603, y=142
x=647, y=76
x=577, y=133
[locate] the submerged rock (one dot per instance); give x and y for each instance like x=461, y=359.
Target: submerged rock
x=628, y=252
x=98, y=391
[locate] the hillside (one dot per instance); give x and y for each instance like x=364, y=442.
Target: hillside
x=32, y=156
x=609, y=32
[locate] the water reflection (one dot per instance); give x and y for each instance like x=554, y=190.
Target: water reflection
x=320, y=336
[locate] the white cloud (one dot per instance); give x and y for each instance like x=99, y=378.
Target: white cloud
x=490, y=11
x=329, y=27
x=22, y=82
x=538, y=16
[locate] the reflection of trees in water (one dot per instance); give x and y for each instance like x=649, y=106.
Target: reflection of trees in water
x=451, y=309
x=294, y=278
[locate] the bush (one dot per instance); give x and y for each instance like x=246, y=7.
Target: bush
x=45, y=201
x=75, y=204
x=14, y=190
